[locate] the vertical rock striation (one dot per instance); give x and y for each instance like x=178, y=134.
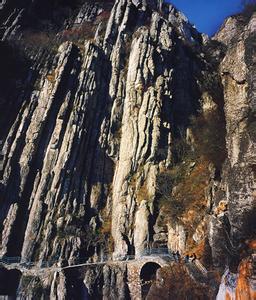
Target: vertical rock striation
x=101, y=111
x=237, y=225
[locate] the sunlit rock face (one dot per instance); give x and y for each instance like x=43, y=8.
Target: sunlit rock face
x=123, y=129
x=237, y=224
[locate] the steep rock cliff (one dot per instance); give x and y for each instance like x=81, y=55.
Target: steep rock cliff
x=101, y=131
x=237, y=224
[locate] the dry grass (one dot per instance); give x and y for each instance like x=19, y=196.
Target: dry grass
x=142, y=193
x=82, y=32
x=105, y=230
x=184, y=201
x=176, y=284
x=50, y=39
x=106, y=227
x=103, y=17
x=189, y=192
x=51, y=76
x=209, y=131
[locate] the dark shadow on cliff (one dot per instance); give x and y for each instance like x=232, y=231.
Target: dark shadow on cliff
x=241, y=247
x=14, y=70
x=186, y=91
x=9, y=282
x=148, y=276
x=76, y=289
x=12, y=192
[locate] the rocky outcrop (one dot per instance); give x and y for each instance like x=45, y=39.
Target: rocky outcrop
x=145, y=134
x=101, y=135
x=236, y=223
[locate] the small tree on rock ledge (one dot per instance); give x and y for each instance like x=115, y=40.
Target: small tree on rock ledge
x=249, y=7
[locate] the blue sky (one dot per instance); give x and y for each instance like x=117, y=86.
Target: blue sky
x=207, y=15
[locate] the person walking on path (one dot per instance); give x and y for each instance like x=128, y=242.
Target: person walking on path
x=174, y=256
x=186, y=259
x=178, y=256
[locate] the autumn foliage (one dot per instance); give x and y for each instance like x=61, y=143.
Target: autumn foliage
x=189, y=191
x=175, y=283
x=209, y=132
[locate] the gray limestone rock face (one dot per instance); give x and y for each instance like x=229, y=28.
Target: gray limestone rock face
x=91, y=123
x=239, y=174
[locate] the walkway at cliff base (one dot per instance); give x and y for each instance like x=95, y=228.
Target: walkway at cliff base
x=161, y=256
x=140, y=269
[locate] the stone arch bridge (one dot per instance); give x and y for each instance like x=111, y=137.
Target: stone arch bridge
x=141, y=272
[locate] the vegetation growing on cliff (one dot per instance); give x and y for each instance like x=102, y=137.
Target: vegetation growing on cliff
x=182, y=190
x=209, y=132
x=249, y=7
x=177, y=284
x=183, y=185
x=33, y=285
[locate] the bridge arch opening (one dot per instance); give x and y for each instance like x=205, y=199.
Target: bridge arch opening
x=9, y=282
x=147, y=277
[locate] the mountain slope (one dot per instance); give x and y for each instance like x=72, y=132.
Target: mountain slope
x=124, y=129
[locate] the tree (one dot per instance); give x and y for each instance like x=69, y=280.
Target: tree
x=249, y=7
x=248, y=2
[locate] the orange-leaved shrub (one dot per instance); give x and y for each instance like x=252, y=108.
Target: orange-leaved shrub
x=182, y=188
x=209, y=132
x=174, y=282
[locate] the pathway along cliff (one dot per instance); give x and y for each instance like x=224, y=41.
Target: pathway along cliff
x=122, y=129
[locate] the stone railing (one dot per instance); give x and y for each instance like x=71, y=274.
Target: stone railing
x=1, y=159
